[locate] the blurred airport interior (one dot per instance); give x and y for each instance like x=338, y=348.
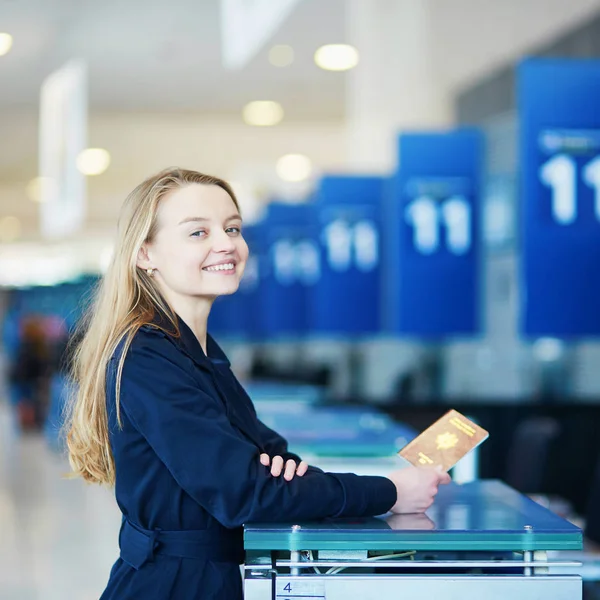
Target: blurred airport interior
x=420, y=187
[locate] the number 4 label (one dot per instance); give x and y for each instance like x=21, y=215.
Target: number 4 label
x=296, y=588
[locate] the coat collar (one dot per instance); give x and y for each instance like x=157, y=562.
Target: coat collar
x=238, y=410
x=188, y=342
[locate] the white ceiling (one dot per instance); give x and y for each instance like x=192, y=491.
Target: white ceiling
x=157, y=55
x=164, y=55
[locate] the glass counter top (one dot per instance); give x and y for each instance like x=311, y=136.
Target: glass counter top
x=478, y=516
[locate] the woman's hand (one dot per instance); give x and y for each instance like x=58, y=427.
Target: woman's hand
x=277, y=467
x=416, y=488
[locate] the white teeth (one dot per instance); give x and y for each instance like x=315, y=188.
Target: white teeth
x=225, y=267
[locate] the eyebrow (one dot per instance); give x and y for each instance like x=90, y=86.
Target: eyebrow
x=204, y=219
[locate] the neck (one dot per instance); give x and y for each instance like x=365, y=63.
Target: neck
x=194, y=313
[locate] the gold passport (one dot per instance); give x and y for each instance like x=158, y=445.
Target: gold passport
x=445, y=442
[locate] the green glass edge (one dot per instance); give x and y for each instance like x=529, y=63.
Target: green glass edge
x=446, y=541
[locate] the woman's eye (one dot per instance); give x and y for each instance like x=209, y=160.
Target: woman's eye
x=199, y=233
x=234, y=230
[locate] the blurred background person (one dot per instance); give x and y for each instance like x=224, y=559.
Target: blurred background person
x=29, y=373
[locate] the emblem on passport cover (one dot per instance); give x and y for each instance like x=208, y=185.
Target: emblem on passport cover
x=444, y=442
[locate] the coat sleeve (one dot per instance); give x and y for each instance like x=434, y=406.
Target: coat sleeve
x=217, y=465
x=275, y=444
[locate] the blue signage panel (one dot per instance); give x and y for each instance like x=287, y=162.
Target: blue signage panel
x=291, y=267
x=432, y=285
x=560, y=205
x=346, y=298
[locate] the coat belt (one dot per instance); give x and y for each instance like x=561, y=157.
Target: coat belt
x=139, y=545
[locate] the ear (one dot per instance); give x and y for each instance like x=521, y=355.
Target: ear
x=143, y=259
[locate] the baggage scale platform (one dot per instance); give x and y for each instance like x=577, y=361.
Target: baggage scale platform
x=478, y=540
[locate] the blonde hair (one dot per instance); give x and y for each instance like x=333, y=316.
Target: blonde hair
x=126, y=298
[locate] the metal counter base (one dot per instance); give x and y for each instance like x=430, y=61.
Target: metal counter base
x=479, y=540
x=350, y=587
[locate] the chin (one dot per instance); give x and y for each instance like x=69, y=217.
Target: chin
x=228, y=292
x=223, y=290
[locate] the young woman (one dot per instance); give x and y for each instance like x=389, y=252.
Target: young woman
x=159, y=414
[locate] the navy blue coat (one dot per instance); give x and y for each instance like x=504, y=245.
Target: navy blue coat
x=187, y=465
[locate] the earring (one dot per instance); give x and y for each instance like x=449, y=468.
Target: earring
x=150, y=271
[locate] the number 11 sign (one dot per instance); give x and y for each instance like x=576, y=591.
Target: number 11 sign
x=346, y=299
x=432, y=288
x=560, y=200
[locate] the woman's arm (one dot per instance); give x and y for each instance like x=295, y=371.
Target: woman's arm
x=220, y=468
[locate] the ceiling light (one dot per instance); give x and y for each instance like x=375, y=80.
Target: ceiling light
x=6, y=42
x=42, y=189
x=336, y=57
x=294, y=167
x=93, y=161
x=10, y=229
x=263, y=113
x=281, y=55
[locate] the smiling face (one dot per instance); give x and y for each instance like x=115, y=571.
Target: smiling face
x=198, y=249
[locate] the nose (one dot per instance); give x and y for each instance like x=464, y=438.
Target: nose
x=223, y=243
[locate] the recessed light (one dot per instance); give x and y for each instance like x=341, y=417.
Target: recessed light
x=42, y=189
x=294, y=167
x=263, y=113
x=93, y=161
x=336, y=57
x=6, y=42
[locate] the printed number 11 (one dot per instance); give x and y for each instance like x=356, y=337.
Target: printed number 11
x=426, y=215
x=560, y=174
